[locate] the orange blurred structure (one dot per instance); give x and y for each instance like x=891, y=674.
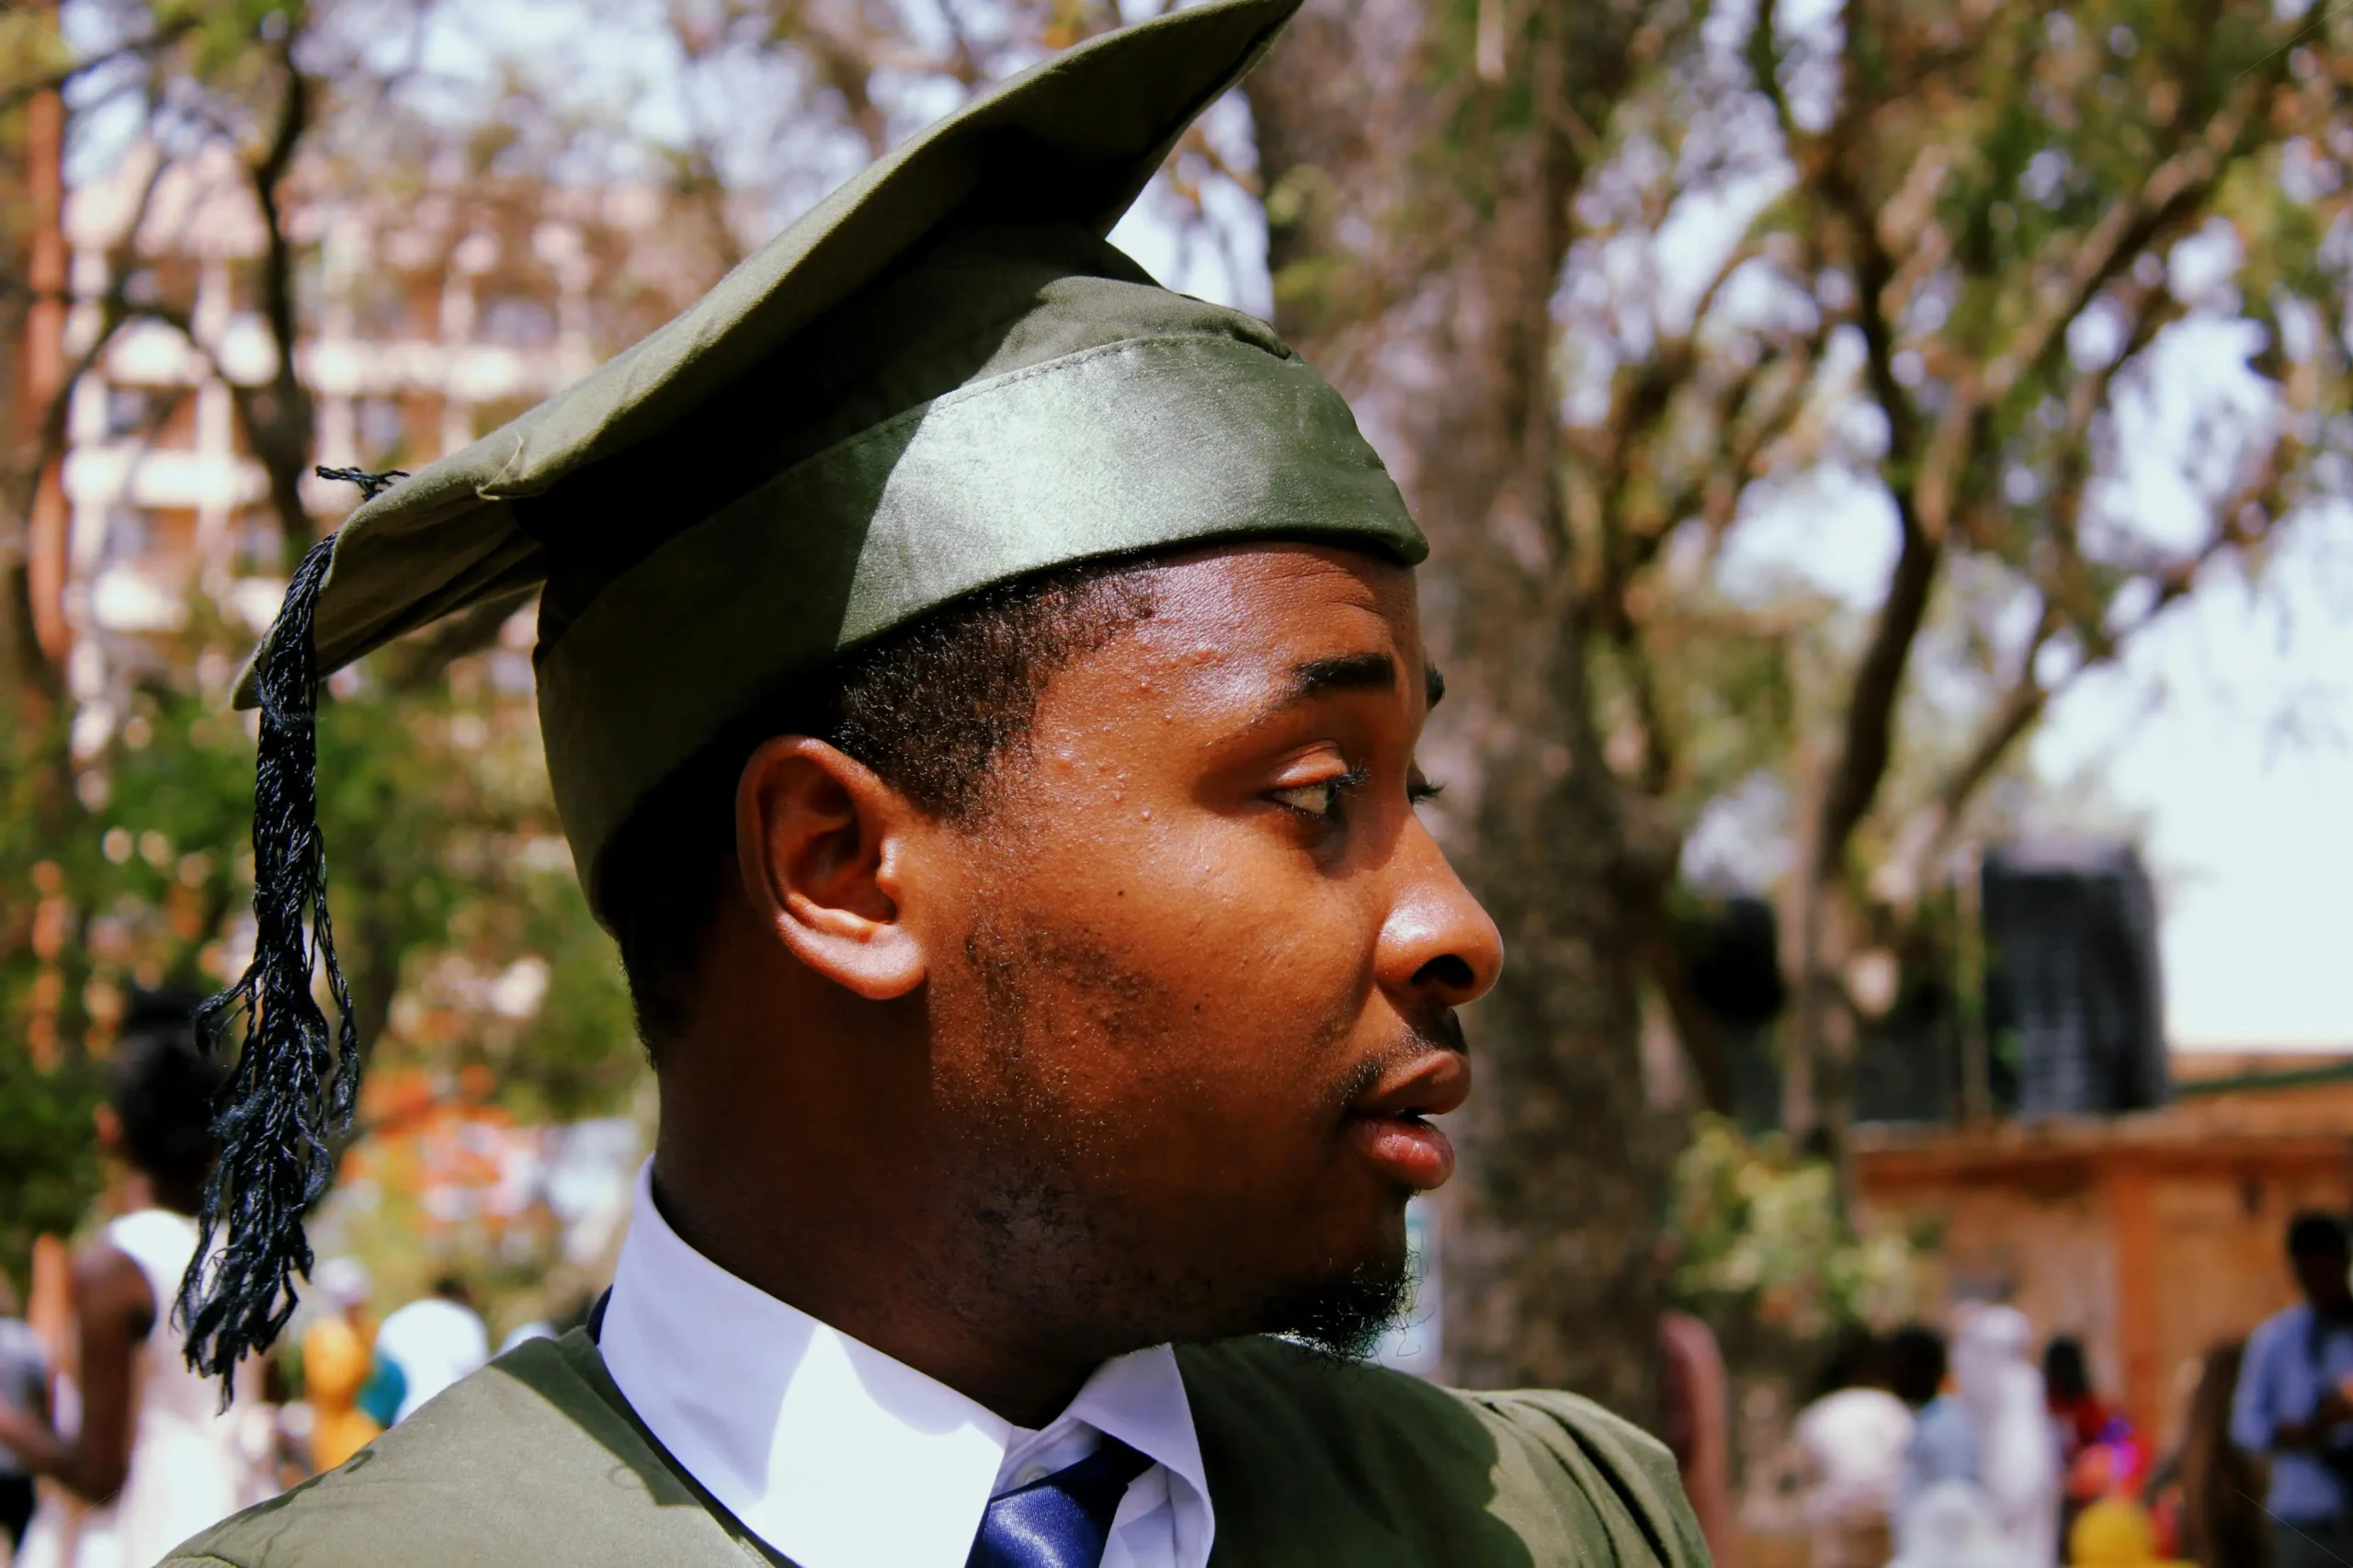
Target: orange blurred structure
x=2150, y=1237
x=466, y=1167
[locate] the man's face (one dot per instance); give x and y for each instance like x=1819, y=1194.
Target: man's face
x=1193, y=972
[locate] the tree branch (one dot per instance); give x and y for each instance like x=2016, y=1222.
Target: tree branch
x=2170, y=201
x=279, y=423
x=167, y=31
x=2030, y=695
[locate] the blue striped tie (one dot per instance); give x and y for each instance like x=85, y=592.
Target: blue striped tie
x=1062, y=1521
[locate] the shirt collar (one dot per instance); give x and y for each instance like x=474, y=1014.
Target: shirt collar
x=828, y=1449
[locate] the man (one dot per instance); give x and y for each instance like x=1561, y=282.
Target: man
x=1695, y=1422
x=1942, y=1517
x=353, y=1393
x=1943, y=1446
x=2291, y=1401
x=982, y=690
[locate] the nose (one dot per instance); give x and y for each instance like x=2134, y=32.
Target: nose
x=1438, y=945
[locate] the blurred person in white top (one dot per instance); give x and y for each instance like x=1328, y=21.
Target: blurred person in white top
x=435, y=1341
x=142, y=1455
x=1853, y=1438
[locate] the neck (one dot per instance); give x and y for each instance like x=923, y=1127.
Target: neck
x=839, y=1112
x=867, y=1275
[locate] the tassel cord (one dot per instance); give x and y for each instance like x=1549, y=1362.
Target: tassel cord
x=289, y=1100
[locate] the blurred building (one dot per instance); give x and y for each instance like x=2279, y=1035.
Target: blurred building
x=2073, y=991
x=427, y=318
x=2140, y=1214
x=430, y=306
x=2048, y=1002
x=2048, y=1151
x=2151, y=1238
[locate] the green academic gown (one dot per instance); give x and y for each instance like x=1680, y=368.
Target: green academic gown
x=537, y=1458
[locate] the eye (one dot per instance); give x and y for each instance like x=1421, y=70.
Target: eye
x=1320, y=800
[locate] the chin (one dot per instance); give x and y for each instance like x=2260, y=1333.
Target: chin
x=1342, y=1313
x=1328, y=1268
x=1339, y=1297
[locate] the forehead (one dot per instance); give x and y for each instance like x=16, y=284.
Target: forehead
x=1284, y=604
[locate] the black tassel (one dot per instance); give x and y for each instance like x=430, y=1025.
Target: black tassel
x=370, y=484
x=288, y=1104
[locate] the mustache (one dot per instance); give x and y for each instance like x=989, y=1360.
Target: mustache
x=1442, y=1030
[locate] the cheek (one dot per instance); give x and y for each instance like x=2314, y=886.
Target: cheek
x=1213, y=977
x=1164, y=1022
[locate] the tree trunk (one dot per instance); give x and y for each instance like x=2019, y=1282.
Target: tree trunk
x=1418, y=217
x=32, y=538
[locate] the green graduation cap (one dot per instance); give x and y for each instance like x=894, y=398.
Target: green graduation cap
x=943, y=377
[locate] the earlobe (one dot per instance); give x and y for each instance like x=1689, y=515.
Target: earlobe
x=820, y=845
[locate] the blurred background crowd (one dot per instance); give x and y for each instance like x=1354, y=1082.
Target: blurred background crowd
x=1886, y=463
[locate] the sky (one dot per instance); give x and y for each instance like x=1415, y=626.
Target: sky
x=2231, y=729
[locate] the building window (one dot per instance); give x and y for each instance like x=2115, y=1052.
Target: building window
x=517, y=322
x=383, y=433
x=130, y=411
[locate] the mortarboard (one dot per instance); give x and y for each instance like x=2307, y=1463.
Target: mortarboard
x=941, y=378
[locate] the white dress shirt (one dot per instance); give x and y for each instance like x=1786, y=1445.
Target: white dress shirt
x=839, y=1456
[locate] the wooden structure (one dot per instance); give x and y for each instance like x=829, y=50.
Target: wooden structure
x=2150, y=1237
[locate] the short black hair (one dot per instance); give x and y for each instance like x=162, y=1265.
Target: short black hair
x=1858, y=1358
x=2065, y=1371
x=1915, y=1363
x=931, y=708
x=163, y=1089
x=2312, y=1234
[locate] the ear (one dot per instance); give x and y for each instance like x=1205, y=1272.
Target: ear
x=820, y=843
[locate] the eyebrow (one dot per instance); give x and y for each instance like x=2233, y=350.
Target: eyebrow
x=1351, y=672
x=1357, y=672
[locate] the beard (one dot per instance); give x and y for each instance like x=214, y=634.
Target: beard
x=1343, y=1317
x=1062, y=1253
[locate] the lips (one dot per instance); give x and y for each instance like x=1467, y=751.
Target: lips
x=1388, y=1123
